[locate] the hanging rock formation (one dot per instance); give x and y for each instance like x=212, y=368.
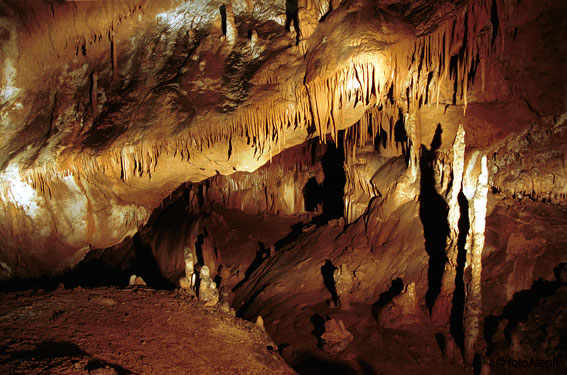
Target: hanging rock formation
x=436, y=130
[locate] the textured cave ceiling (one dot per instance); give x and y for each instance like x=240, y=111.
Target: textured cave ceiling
x=107, y=107
x=399, y=165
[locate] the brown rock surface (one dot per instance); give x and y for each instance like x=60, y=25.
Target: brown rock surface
x=143, y=331
x=139, y=98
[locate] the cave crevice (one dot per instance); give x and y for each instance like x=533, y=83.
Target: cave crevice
x=433, y=212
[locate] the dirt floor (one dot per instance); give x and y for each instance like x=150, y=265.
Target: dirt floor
x=127, y=331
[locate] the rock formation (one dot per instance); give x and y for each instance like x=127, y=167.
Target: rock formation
x=420, y=141
x=336, y=337
x=208, y=291
x=343, y=285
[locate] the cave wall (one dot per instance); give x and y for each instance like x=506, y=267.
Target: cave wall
x=120, y=125
x=126, y=124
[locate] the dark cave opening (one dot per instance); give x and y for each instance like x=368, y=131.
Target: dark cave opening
x=146, y=263
x=381, y=140
x=326, y=198
x=312, y=195
x=222, y=10
x=97, y=269
x=318, y=328
x=199, y=247
x=335, y=179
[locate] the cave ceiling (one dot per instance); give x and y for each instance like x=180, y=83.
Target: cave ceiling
x=109, y=106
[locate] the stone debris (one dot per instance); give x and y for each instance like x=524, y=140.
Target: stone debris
x=336, y=337
x=103, y=371
x=104, y=301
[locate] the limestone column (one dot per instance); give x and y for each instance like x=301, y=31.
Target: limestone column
x=441, y=313
x=475, y=188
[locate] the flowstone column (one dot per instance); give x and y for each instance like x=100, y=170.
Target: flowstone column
x=475, y=189
x=441, y=313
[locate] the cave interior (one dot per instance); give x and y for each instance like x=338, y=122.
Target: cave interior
x=283, y=187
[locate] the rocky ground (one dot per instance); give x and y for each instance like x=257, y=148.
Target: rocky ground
x=127, y=331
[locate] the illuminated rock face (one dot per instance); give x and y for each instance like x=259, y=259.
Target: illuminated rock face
x=107, y=107
x=429, y=135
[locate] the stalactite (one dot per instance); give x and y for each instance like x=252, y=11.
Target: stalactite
x=403, y=70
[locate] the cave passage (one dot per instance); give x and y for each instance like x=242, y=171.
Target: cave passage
x=216, y=187
x=312, y=194
x=333, y=185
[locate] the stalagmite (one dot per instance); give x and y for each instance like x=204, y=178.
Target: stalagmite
x=475, y=189
x=188, y=281
x=208, y=291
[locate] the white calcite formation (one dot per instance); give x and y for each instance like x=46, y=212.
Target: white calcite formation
x=355, y=70
x=475, y=189
x=208, y=291
x=188, y=281
x=442, y=309
x=139, y=98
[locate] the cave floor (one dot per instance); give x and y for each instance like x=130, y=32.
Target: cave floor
x=127, y=331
